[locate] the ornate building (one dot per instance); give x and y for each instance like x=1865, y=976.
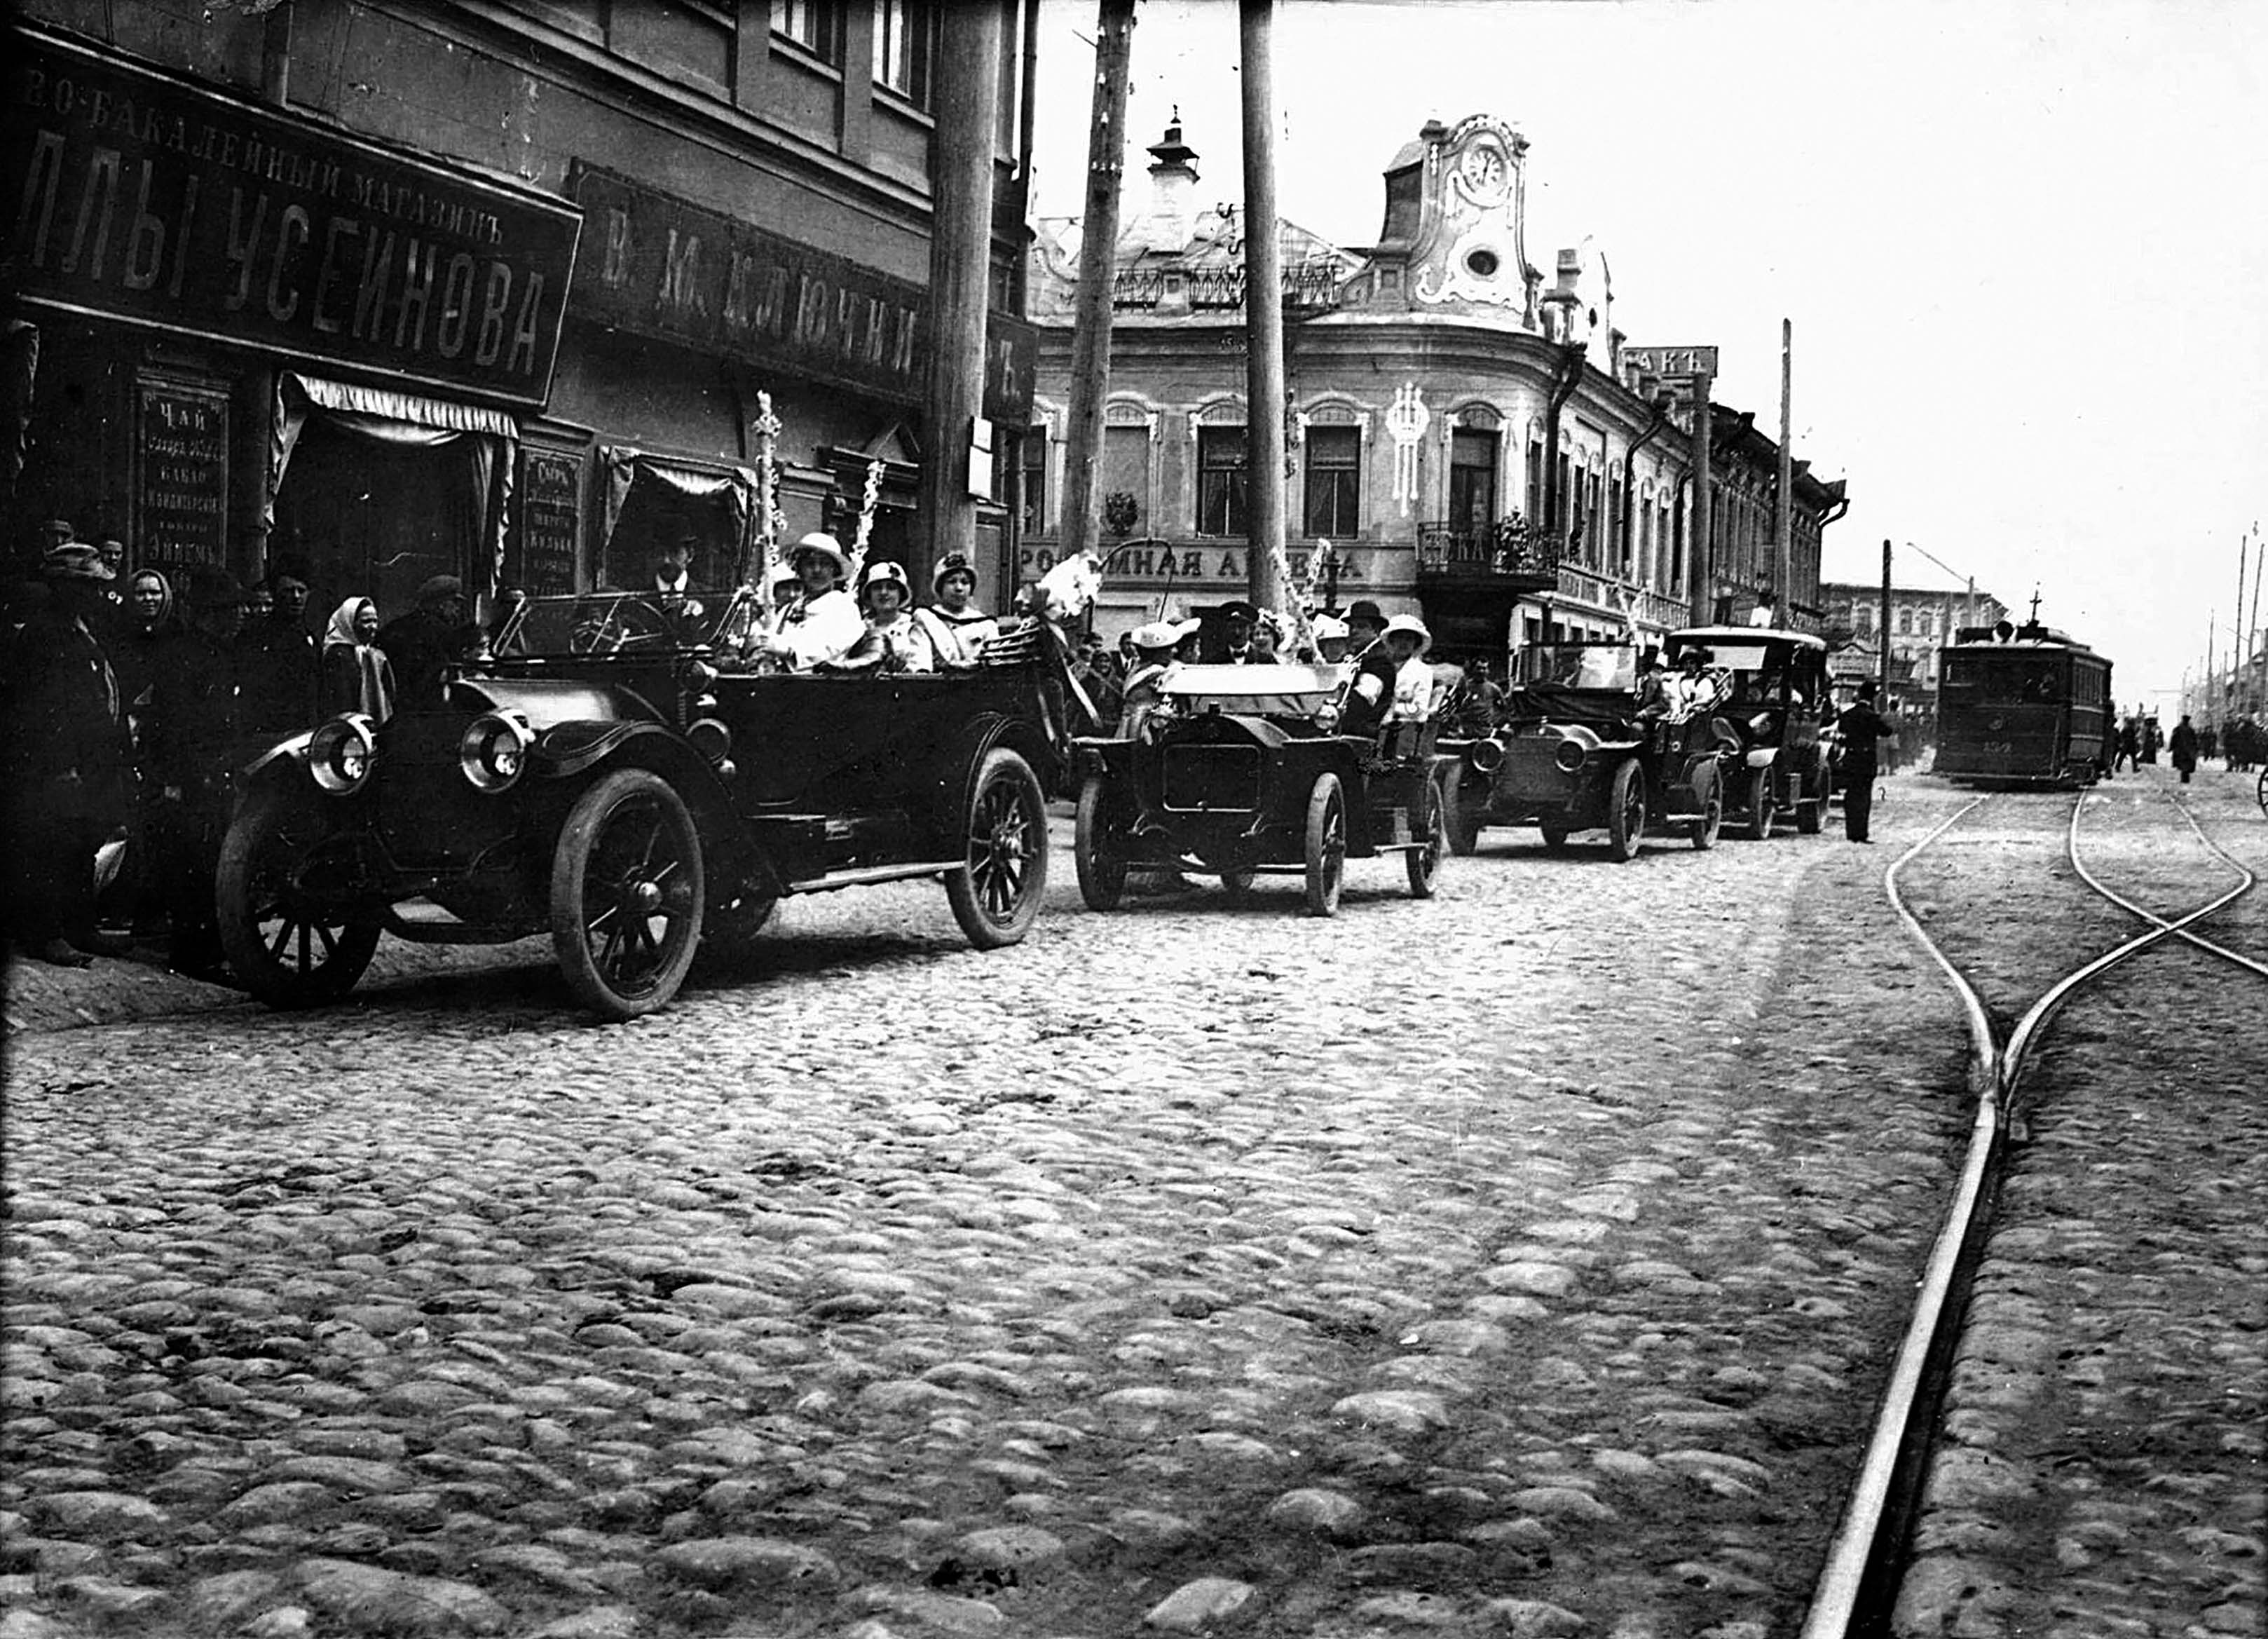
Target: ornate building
x=1922, y=621
x=1462, y=440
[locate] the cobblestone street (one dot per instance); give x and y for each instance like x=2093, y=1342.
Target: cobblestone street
x=1524, y=1262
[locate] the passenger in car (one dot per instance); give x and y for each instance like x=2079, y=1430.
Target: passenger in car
x=1391, y=683
x=1155, y=646
x=958, y=630
x=822, y=621
x=894, y=640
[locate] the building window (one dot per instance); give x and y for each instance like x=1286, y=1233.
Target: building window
x=1034, y=473
x=1472, y=479
x=1221, y=480
x=903, y=33
x=1623, y=548
x=1125, y=470
x=814, y=24
x=1333, y=482
x=1535, y=484
x=1592, y=509
x=1905, y=624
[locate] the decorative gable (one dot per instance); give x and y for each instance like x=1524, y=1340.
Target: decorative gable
x=1470, y=248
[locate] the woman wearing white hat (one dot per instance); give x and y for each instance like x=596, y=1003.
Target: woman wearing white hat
x=958, y=630
x=1154, y=661
x=823, y=622
x=1390, y=680
x=893, y=641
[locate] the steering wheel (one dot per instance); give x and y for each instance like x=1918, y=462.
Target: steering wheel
x=627, y=621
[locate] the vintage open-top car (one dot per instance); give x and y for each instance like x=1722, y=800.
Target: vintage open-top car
x=1573, y=753
x=1779, y=697
x=610, y=779
x=1242, y=775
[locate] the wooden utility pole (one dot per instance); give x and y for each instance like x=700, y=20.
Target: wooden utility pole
x=1098, y=267
x=1883, y=674
x=968, y=115
x=1263, y=316
x=1784, y=514
x=1704, y=574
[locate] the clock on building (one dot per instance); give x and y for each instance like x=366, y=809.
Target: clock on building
x=1483, y=171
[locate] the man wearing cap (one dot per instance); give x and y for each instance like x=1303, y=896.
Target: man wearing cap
x=893, y=641
x=62, y=759
x=1858, y=728
x=820, y=626
x=1237, y=618
x=958, y=630
x=426, y=642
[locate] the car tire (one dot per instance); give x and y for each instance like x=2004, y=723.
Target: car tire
x=288, y=954
x=1811, y=811
x=1101, y=869
x=997, y=894
x=1326, y=838
x=1461, y=816
x=1762, y=808
x=1626, y=813
x=627, y=857
x=1712, y=819
x=1425, y=861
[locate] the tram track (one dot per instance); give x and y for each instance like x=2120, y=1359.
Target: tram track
x=1861, y=1583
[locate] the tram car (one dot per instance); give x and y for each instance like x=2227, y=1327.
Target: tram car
x=2022, y=705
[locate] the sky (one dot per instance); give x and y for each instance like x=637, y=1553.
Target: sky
x=2023, y=245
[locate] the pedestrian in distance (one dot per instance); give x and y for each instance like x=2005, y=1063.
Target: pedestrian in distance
x=2183, y=749
x=2130, y=747
x=357, y=677
x=275, y=668
x=1858, y=728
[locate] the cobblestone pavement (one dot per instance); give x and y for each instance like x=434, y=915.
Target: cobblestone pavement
x=2102, y=1471
x=1524, y=1262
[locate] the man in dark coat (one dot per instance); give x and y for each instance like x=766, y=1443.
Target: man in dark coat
x=2183, y=747
x=191, y=746
x=63, y=758
x=277, y=664
x=1858, y=727
x=426, y=642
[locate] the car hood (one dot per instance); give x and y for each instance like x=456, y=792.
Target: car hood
x=546, y=702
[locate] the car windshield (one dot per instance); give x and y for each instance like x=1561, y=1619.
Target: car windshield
x=1577, y=665
x=1256, y=690
x=609, y=622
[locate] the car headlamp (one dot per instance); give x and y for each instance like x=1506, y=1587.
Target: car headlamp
x=1568, y=756
x=340, y=754
x=493, y=750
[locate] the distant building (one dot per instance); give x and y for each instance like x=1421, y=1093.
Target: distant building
x=1466, y=440
x=1922, y=621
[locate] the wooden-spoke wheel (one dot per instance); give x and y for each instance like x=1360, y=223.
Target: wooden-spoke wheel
x=1424, y=862
x=1326, y=844
x=1463, y=817
x=1626, y=812
x=627, y=891
x=1811, y=806
x=289, y=949
x=1101, y=866
x=1711, y=818
x=1762, y=806
x=997, y=893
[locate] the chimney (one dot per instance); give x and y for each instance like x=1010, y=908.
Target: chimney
x=1173, y=184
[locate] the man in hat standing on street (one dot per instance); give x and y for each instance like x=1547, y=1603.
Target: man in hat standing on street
x=1858, y=728
x=62, y=759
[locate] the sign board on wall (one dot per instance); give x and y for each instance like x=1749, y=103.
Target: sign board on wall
x=1157, y=565
x=657, y=265
x=180, y=470
x=1670, y=361
x=137, y=197
x=543, y=551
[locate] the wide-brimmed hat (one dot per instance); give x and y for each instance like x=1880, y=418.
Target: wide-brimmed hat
x=1415, y=626
x=1326, y=627
x=825, y=545
x=952, y=563
x=883, y=572
x=1160, y=634
x=1363, y=609
x=74, y=560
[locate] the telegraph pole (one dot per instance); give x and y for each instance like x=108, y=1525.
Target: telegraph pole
x=1782, y=530
x=1705, y=568
x=1263, y=314
x=1098, y=249
x=1883, y=659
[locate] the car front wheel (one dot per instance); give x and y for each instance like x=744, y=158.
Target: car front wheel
x=1762, y=806
x=626, y=890
x=1424, y=862
x=1462, y=816
x=1101, y=866
x=1626, y=813
x=1326, y=844
x=1712, y=812
x=288, y=950
x=996, y=895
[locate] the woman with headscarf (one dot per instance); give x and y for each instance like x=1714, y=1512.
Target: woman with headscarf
x=356, y=675
x=151, y=647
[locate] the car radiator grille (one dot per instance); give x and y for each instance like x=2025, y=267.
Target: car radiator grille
x=1212, y=778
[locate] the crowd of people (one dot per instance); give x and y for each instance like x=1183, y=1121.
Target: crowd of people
x=129, y=699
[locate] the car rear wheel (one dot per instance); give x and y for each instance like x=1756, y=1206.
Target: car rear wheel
x=1101, y=867
x=997, y=894
x=1424, y=862
x=1326, y=844
x=1811, y=808
x=627, y=891
x=1626, y=813
x=1763, y=806
x=1461, y=816
x=288, y=952
x=1713, y=813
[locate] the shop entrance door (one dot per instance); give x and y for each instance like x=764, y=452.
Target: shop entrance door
x=375, y=520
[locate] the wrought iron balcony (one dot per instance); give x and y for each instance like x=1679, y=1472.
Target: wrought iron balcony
x=1508, y=550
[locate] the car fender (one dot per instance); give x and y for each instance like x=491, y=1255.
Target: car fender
x=566, y=750
x=278, y=762
x=1762, y=756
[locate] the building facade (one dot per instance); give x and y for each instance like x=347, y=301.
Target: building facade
x=1922, y=621
x=1463, y=441
x=502, y=289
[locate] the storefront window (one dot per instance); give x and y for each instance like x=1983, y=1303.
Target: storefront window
x=1333, y=482
x=1221, y=480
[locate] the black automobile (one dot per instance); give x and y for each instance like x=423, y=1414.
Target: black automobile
x=1776, y=699
x=1578, y=750
x=610, y=778
x=1243, y=775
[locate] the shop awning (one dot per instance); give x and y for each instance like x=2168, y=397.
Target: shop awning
x=351, y=398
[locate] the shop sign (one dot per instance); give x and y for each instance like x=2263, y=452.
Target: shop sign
x=659, y=266
x=136, y=196
x=1157, y=565
x=1670, y=361
x=181, y=488
x=541, y=557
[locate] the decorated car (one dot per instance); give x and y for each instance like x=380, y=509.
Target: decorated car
x=610, y=779
x=1578, y=750
x=1243, y=775
x=1778, y=697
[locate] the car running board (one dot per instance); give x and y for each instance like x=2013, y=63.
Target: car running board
x=876, y=873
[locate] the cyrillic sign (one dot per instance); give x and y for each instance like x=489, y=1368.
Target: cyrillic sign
x=137, y=197
x=1670, y=361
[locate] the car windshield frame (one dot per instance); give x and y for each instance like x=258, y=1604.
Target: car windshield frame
x=591, y=625
x=1283, y=689
x=1573, y=666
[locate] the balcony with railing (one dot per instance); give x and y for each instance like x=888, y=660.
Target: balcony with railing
x=1510, y=554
